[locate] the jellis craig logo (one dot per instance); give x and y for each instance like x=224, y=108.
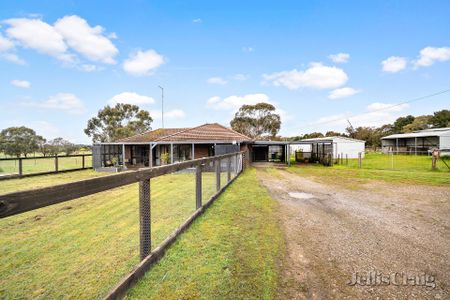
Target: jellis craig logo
x=376, y=278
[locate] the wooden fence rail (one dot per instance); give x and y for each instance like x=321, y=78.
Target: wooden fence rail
x=20, y=202
x=57, y=166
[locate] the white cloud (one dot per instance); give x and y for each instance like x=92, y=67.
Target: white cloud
x=343, y=92
x=112, y=36
x=216, y=80
x=247, y=49
x=376, y=114
x=21, y=83
x=46, y=129
x=62, y=101
x=5, y=44
x=430, y=55
x=394, y=64
x=339, y=57
x=68, y=33
x=240, y=77
x=88, y=68
x=143, y=62
x=377, y=106
x=171, y=114
x=12, y=58
x=235, y=102
x=86, y=40
x=37, y=35
x=6, y=51
x=198, y=20
x=316, y=76
x=131, y=98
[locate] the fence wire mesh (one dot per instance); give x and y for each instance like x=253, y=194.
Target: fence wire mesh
x=403, y=161
x=83, y=247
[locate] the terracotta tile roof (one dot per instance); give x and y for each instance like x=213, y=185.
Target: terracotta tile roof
x=206, y=132
x=152, y=135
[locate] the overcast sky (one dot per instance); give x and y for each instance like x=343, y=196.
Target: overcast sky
x=316, y=61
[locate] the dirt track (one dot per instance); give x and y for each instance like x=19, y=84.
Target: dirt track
x=375, y=226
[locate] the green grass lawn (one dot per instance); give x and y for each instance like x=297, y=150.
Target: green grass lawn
x=82, y=248
x=349, y=176
x=31, y=165
x=397, y=162
x=231, y=252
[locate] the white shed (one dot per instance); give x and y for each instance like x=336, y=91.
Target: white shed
x=337, y=145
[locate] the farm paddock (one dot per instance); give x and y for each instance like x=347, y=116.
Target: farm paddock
x=58, y=251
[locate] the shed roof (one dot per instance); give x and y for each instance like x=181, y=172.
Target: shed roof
x=202, y=133
x=421, y=133
x=333, y=139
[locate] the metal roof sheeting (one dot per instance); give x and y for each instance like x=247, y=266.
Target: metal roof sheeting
x=422, y=133
x=333, y=139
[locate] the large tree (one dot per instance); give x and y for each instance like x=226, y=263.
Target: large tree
x=441, y=119
x=371, y=135
x=18, y=141
x=402, y=122
x=60, y=145
x=120, y=121
x=419, y=123
x=257, y=121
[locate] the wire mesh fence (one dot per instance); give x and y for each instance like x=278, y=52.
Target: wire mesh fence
x=405, y=161
x=82, y=248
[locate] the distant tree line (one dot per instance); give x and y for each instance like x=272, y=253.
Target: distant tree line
x=373, y=135
x=22, y=141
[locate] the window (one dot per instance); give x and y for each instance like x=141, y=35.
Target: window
x=111, y=155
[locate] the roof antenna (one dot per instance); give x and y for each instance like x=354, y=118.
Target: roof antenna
x=162, y=105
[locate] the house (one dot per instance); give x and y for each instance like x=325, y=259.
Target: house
x=334, y=145
x=169, y=145
x=421, y=141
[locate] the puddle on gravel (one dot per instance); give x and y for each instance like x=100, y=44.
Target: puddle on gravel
x=301, y=195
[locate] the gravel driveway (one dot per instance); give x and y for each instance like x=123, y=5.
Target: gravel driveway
x=389, y=233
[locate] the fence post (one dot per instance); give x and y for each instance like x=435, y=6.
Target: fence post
x=20, y=167
x=144, y=218
x=359, y=160
x=392, y=160
x=217, y=175
x=198, y=187
x=56, y=163
x=229, y=168
x=82, y=162
x=342, y=158
x=346, y=159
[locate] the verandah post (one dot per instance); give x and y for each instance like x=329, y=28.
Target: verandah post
x=229, y=168
x=198, y=186
x=82, y=161
x=217, y=165
x=236, y=165
x=56, y=163
x=144, y=218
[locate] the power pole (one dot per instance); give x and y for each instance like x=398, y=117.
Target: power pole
x=162, y=105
